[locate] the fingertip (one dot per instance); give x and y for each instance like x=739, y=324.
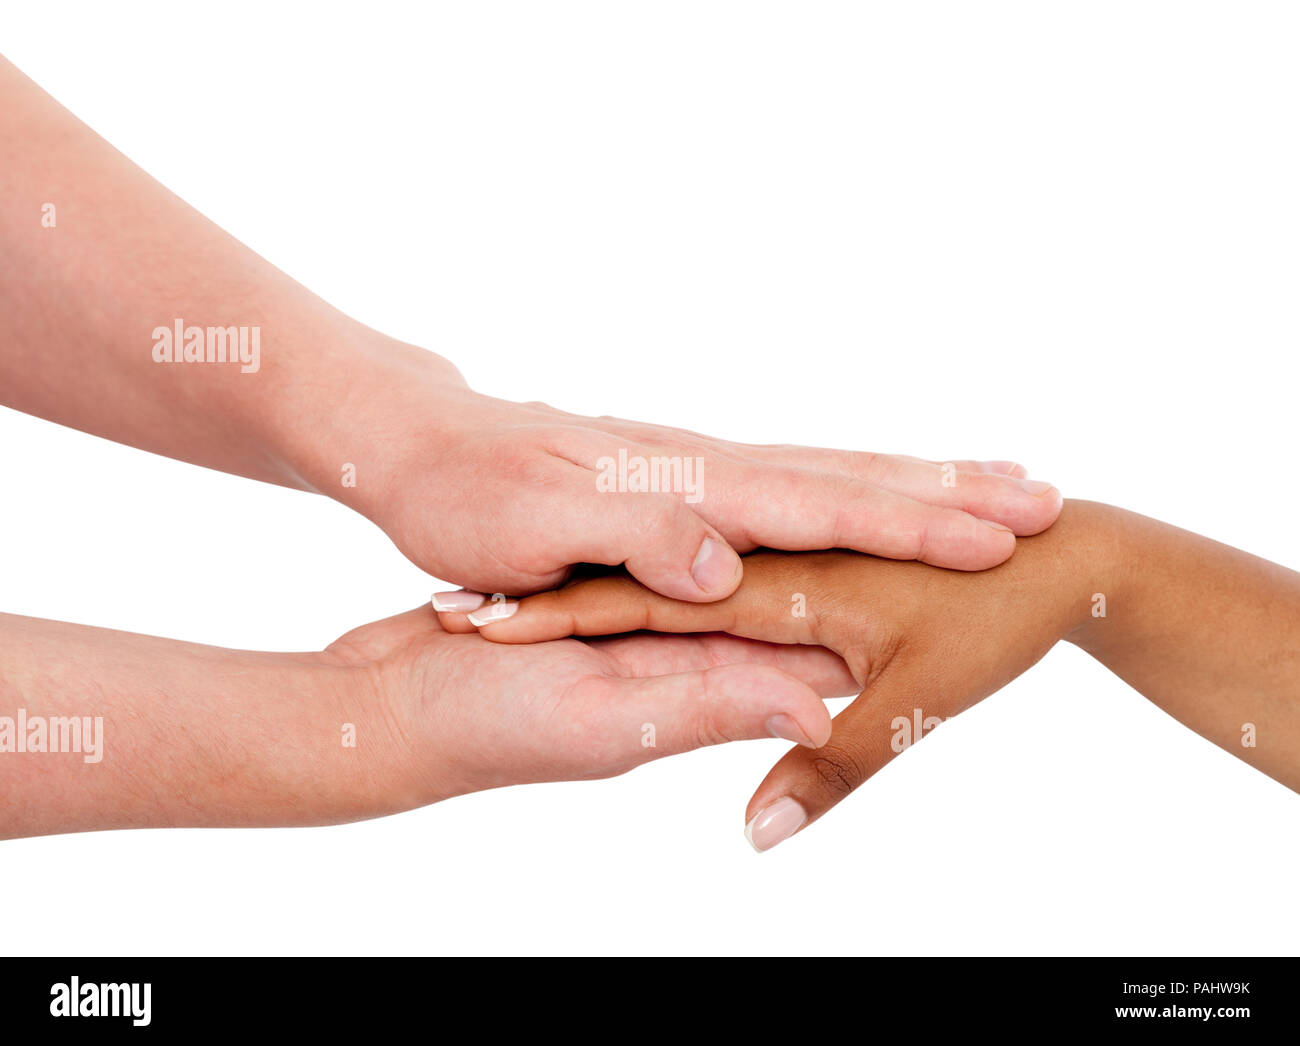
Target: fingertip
x=1002, y=546
x=971, y=544
x=496, y=611
x=765, y=701
x=775, y=823
x=799, y=714
x=1027, y=506
x=452, y=608
x=813, y=733
x=500, y=633
x=455, y=624
x=716, y=570
x=461, y=601
x=535, y=619
x=820, y=734
x=1047, y=503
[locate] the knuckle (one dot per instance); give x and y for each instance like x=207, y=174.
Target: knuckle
x=705, y=721
x=860, y=464
x=708, y=733
x=519, y=462
x=839, y=770
x=924, y=539
x=660, y=517
x=884, y=469
x=582, y=446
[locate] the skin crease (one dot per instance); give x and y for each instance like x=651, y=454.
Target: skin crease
x=1208, y=633
x=199, y=736
x=484, y=493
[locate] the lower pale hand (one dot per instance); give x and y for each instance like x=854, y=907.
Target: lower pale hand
x=458, y=714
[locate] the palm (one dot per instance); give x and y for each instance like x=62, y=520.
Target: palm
x=472, y=714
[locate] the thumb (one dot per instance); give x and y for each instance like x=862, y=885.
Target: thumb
x=664, y=544
x=632, y=721
x=881, y=723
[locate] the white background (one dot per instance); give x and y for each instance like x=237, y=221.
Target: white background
x=1065, y=234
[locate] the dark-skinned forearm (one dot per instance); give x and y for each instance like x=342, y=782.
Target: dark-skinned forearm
x=1208, y=633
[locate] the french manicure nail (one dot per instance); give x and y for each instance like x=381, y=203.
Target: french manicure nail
x=775, y=824
x=492, y=612
x=787, y=729
x=458, y=602
x=715, y=565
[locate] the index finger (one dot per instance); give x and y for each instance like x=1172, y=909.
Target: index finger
x=759, y=609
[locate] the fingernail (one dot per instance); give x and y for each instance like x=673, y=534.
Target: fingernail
x=1035, y=487
x=995, y=525
x=458, y=602
x=492, y=612
x=715, y=566
x=775, y=824
x=1003, y=468
x=785, y=728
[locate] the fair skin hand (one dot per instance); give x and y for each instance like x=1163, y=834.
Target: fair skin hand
x=488, y=494
x=1208, y=633
x=197, y=736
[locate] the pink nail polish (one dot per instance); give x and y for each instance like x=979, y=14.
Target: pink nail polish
x=492, y=612
x=459, y=602
x=775, y=824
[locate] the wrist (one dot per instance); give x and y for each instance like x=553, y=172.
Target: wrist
x=391, y=756
x=1096, y=566
x=312, y=745
x=343, y=426
x=1064, y=577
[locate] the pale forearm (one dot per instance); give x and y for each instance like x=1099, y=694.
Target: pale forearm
x=85, y=286
x=172, y=734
